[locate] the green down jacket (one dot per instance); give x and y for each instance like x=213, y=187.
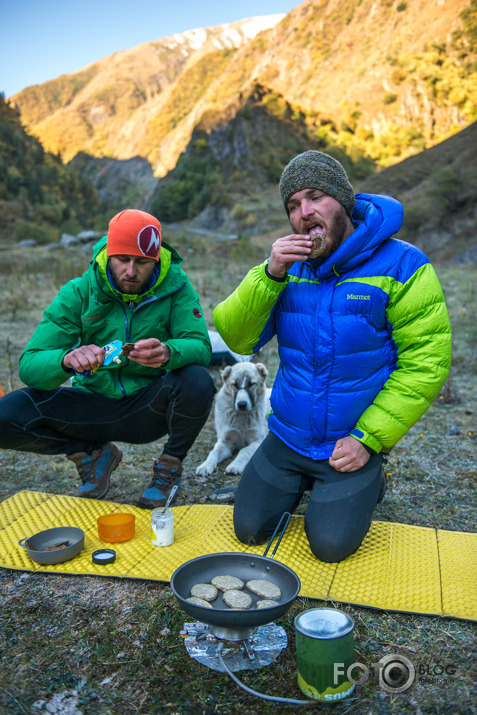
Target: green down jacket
x=88, y=310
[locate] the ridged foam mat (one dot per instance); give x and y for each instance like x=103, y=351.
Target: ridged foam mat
x=398, y=567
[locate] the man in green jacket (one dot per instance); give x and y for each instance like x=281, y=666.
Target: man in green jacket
x=134, y=291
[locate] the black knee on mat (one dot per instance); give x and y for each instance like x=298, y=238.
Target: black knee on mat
x=247, y=532
x=332, y=548
x=331, y=553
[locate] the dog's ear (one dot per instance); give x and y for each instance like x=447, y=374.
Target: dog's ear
x=226, y=372
x=262, y=369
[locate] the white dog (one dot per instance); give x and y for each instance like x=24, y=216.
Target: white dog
x=241, y=409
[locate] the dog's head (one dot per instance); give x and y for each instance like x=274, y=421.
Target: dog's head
x=245, y=383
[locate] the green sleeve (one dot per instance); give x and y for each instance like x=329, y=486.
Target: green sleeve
x=422, y=334
x=241, y=318
x=190, y=342
x=57, y=333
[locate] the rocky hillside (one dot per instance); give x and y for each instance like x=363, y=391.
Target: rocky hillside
x=438, y=189
x=221, y=180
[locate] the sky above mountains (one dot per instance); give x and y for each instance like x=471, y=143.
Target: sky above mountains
x=42, y=40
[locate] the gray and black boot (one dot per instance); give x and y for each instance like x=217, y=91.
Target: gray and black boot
x=167, y=473
x=95, y=469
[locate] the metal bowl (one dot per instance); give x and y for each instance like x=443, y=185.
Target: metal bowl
x=38, y=543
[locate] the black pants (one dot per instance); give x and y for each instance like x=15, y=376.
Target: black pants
x=339, y=512
x=66, y=420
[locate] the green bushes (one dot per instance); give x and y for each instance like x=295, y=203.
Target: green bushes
x=39, y=233
x=39, y=181
x=467, y=37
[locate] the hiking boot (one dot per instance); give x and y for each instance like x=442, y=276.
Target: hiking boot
x=167, y=472
x=95, y=469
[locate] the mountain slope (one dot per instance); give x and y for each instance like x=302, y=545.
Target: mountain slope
x=200, y=125
x=388, y=77
x=438, y=189
x=106, y=108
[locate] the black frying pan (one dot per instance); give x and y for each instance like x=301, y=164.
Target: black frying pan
x=246, y=567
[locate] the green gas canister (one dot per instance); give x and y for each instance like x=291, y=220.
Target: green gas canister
x=325, y=651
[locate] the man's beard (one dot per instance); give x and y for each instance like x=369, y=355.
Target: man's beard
x=336, y=232
x=139, y=289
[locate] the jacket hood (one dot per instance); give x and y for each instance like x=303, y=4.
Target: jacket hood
x=100, y=261
x=376, y=218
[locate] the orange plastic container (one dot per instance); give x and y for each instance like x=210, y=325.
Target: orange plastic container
x=116, y=527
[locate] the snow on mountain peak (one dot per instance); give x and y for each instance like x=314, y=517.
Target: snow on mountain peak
x=226, y=36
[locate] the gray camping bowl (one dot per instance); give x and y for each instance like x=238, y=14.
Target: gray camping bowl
x=43, y=539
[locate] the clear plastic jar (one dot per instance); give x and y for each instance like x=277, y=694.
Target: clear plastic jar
x=162, y=527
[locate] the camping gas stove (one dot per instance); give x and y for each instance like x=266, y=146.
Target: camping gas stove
x=240, y=649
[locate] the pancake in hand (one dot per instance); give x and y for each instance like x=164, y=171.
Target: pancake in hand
x=319, y=245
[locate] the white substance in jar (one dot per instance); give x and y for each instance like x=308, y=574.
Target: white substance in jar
x=162, y=527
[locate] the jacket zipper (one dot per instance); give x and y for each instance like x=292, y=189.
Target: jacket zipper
x=128, y=336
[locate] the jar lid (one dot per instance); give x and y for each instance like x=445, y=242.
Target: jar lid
x=104, y=556
x=324, y=623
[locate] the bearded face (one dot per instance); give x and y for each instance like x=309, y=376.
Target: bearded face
x=314, y=213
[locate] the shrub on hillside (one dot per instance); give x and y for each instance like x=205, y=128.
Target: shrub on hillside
x=26, y=230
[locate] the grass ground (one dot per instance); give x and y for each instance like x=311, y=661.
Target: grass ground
x=75, y=645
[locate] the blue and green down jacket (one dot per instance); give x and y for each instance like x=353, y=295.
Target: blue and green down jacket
x=364, y=338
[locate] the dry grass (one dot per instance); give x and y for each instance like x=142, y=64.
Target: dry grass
x=99, y=645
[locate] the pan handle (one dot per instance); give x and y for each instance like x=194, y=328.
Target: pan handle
x=286, y=515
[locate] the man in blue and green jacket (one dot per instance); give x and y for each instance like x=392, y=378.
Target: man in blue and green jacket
x=364, y=343
x=134, y=291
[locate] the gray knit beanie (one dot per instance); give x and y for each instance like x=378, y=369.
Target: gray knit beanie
x=315, y=170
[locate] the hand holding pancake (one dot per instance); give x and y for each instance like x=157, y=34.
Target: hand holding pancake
x=150, y=353
x=287, y=250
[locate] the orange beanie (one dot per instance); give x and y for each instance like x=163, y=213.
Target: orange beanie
x=134, y=233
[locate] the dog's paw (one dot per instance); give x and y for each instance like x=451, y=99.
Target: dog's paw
x=204, y=470
x=234, y=468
